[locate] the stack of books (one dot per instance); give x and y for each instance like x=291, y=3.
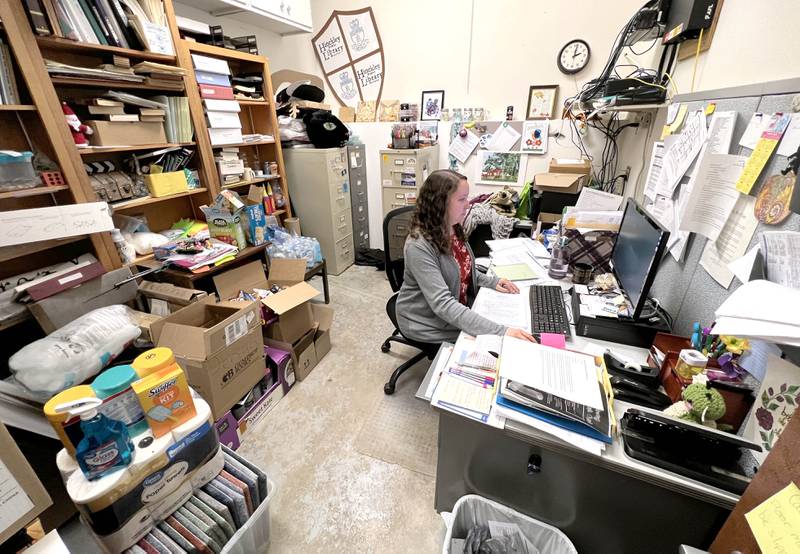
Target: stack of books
x=105, y=72
x=222, y=111
x=229, y=165
x=134, y=24
x=103, y=109
x=160, y=75
x=9, y=94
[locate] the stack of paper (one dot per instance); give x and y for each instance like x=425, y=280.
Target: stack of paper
x=761, y=309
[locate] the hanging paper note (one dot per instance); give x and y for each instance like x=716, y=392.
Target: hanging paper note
x=775, y=522
x=764, y=148
x=676, y=121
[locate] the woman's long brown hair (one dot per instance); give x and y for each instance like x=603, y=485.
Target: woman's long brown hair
x=430, y=217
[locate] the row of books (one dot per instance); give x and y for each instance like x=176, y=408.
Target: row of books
x=134, y=24
x=170, y=111
x=9, y=94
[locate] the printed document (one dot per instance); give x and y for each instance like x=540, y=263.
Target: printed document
x=511, y=310
x=461, y=147
x=570, y=375
x=781, y=251
x=597, y=200
x=731, y=242
x=720, y=132
x=681, y=150
x=504, y=138
x=654, y=172
x=714, y=195
x=791, y=137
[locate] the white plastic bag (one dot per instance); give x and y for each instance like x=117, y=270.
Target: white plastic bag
x=78, y=350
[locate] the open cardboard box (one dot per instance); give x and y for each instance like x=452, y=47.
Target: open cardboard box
x=564, y=176
x=166, y=298
x=291, y=305
x=219, y=346
x=311, y=347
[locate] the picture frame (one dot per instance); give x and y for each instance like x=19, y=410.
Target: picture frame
x=431, y=105
x=541, y=102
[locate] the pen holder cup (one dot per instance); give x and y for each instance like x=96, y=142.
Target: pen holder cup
x=165, y=184
x=582, y=273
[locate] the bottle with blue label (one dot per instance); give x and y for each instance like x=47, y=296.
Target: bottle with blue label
x=106, y=445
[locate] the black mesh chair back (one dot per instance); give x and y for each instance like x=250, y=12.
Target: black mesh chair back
x=396, y=226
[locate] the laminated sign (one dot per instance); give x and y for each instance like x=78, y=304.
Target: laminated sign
x=350, y=51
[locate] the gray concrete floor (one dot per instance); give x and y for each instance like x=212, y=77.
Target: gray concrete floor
x=329, y=496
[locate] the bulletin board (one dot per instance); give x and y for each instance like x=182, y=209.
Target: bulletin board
x=684, y=288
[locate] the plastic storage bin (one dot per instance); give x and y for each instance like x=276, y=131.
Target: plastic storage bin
x=16, y=171
x=255, y=534
x=472, y=510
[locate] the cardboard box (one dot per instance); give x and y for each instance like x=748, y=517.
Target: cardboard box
x=174, y=297
x=228, y=431
x=130, y=133
x=145, y=321
x=219, y=347
x=291, y=305
x=58, y=310
x=323, y=317
x=565, y=176
x=304, y=354
x=22, y=489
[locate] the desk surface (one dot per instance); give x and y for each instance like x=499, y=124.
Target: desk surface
x=613, y=457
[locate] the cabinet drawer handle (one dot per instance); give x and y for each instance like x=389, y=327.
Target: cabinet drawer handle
x=534, y=464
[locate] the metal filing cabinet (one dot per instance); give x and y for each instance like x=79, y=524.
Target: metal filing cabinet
x=319, y=181
x=358, y=195
x=402, y=174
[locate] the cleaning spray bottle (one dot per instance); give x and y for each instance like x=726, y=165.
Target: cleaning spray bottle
x=106, y=445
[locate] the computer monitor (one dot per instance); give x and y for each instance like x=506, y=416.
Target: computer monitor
x=640, y=244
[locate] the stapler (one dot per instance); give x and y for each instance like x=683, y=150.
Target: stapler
x=635, y=392
x=647, y=376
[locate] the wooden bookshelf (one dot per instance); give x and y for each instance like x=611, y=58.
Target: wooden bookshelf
x=147, y=200
x=17, y=108
x=110, y=84
x=17, y=251
x=67, y=45
x=36, y=191
x=111, y=149
x=255, y=181
x=256, y=103
x=241, y=144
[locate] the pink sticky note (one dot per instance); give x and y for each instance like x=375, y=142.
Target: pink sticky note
x=553, y=339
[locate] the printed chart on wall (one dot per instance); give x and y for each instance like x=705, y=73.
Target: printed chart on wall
x=350, y=51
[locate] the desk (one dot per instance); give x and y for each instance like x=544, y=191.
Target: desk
x=606, y=504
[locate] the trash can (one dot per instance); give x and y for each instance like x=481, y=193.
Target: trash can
x=472, y=510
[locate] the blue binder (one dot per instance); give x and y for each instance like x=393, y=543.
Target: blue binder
x=206, y=78
x=563, y=422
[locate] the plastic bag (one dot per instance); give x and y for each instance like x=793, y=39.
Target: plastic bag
x=285, y=245
x=523, y=206
x=78, y=350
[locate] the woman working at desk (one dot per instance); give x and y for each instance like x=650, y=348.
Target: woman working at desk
x=440, y=280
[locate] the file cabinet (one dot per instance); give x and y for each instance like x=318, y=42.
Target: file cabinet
x=358, y=195
x=402, y=175
x=320, y=185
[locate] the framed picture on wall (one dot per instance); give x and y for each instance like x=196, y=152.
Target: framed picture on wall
x=541, y=101
x=432, y=104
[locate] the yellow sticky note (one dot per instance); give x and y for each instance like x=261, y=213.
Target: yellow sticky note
x=675, y=124
x=755, y=164
x=710, y=108
x=775, y=523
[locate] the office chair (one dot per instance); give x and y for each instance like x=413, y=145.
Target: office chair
x=396, y=226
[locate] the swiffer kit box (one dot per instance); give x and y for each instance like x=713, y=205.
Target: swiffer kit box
x=219, y=346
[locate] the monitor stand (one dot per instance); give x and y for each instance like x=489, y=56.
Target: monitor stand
x=640, y=332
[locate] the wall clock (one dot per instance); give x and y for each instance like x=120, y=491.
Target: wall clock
x=573, y=57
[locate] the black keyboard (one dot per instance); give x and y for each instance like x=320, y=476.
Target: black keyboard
x=548, y=312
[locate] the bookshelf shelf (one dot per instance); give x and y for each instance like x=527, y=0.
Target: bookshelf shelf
x=63, y=44
x=139, y=202
x=253, y=103
x=239, y=144
x=251, y=181
x=36, y=191
x=10, y=252
x=110, y=84
x=17, y=108
x=110, y=149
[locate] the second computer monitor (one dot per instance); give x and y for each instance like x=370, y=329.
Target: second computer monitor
x=640, y=244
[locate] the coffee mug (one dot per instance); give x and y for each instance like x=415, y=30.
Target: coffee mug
x=581, y=273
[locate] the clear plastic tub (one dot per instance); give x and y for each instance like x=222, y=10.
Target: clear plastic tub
x=16, y=170
x=255, y=534
x=472, y=510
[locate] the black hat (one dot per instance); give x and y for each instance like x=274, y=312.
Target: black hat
x=300, y=90
x=325, y=130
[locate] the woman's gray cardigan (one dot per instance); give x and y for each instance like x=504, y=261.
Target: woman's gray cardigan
x=428, y=309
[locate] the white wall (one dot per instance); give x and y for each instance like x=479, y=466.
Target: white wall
x=515, y=44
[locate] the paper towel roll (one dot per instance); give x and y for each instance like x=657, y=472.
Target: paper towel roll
x=67, y=465
x=203, y=415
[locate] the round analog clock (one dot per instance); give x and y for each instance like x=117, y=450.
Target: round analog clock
x=574, y=56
